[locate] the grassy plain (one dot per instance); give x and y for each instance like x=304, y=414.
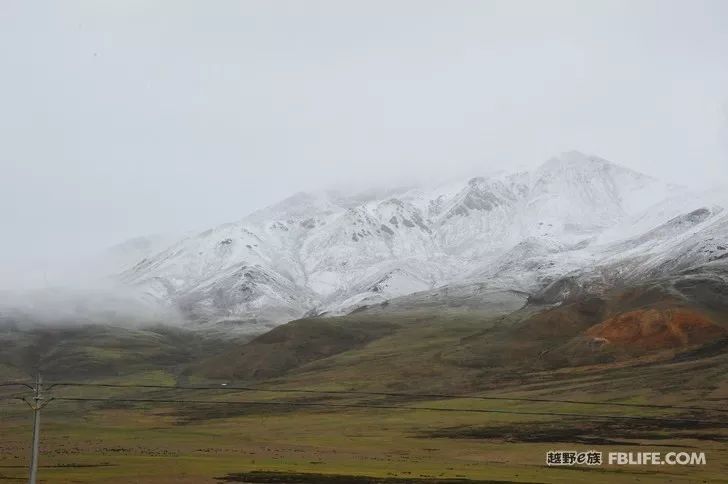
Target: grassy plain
x=453, y=352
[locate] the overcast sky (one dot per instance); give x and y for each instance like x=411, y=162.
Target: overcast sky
x=122, y=118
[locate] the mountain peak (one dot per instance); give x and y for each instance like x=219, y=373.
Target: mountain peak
x=576, y=156
x=331, y=249
x=298, y=205
x=577, y=161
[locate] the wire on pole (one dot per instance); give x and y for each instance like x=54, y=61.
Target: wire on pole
x=386, y=394
x=387, y=407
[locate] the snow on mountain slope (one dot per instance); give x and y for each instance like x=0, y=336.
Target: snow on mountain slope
x=581, y=195
x=531, y=264
x=329, y=252
x=677, y=201
x=477, y=220
x=356, y=244
x=695, y=242
x=687, y=242
x=121, y=256
x=252, y=294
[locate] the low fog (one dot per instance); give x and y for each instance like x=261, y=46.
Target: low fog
x=125, y=119
x=75, y=304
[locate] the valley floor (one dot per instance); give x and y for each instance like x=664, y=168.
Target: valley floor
x=84, y=442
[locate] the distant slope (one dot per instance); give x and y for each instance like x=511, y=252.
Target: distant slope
x=464, y=348
x=458, y=339
x=92, y=351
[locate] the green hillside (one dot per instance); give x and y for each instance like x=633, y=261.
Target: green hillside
x=456, y=393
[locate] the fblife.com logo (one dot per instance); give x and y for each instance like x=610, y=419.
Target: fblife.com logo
x=595, y=458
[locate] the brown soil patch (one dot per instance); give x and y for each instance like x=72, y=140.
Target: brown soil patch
x=654, y=329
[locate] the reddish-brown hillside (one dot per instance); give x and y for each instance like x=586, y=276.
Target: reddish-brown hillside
x=655, y=329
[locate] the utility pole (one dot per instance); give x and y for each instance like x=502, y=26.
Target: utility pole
x=37, y=405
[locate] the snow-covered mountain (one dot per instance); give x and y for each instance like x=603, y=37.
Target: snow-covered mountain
x=332, y=252
x=125, y=254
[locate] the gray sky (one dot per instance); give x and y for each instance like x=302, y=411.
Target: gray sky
x=121, y=118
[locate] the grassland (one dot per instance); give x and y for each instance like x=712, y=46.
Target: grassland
x=475, y=352
x=171, y=443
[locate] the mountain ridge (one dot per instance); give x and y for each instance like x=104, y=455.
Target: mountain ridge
x=328, y=252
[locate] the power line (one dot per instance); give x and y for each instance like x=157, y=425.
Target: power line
x=386, y=394
x=40, y=402
x=386, y=407
x=16, y=384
